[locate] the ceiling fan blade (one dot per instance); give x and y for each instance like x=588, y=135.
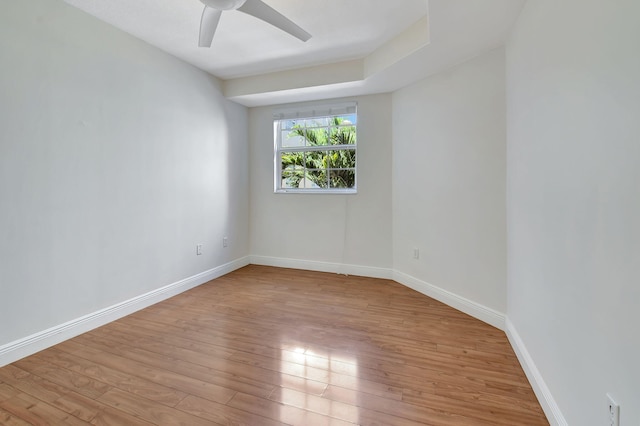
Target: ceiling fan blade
x=208, y=25
x=263, y=11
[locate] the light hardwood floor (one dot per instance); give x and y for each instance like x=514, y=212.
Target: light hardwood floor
x=269, y=346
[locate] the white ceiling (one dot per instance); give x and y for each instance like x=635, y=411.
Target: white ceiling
x=250, y=53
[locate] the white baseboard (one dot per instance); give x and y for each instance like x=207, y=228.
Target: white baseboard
x=29, y=345
x=312, y=265
x=548, y=403
x=460, y=303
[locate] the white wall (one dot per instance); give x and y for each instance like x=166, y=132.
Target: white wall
x=334, y=229
x=115, y=160
x=449, y=180
x=574, y=201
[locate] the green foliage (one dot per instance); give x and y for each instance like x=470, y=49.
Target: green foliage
x=326, y=169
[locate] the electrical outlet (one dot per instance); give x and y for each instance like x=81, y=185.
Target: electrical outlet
x=199, y=249
x=614, y=412
x=225, y=242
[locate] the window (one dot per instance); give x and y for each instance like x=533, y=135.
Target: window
x=315, y=149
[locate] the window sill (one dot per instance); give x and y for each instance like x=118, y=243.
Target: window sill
x=317, y=191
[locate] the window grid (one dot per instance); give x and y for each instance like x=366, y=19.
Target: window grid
x=295, y=142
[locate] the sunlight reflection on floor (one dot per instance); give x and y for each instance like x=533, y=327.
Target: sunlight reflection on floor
x=303, y=401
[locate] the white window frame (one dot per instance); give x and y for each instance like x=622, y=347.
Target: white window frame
x=311, y=112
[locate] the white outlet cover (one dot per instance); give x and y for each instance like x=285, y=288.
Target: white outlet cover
x=613, y=411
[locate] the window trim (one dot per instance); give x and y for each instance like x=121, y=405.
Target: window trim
x=310, y=112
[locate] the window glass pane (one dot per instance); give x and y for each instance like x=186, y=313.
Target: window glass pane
x=342, y=159
x=333, y=136
x=308, y=183
x=317, y=136
x=349, y=119
x=292, y=169
x=292, y=138
x=344, y=135
x=317, y=178
x=342, y=178
x=291, y=159
x=315, y=159
x=290, y=124
x=291, y=178
x=317, y=122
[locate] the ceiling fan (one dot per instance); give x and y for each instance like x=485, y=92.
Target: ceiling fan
x=256, y=8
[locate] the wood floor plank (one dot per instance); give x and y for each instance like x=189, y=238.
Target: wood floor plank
x=27, y=383
x=235, y=375
x=317, y=374
x=111, y=417
x=286, y=413
x=76, y=401
x=223, y=414
x=213, y=374
x=147, y=410
x=163, y=377
x=64, y=378
x=150, y=390
x=440, y=416
x=38, y=413
x=6, y=391
x=8, y=419
x=270, y=347
x=316, y=404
